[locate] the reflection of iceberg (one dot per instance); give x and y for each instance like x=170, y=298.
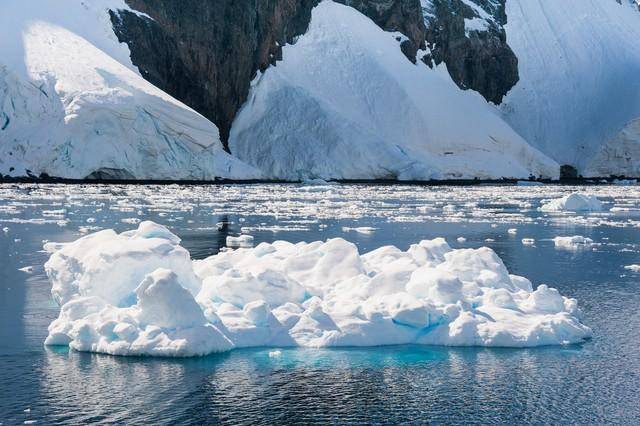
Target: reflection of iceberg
x=139, y=293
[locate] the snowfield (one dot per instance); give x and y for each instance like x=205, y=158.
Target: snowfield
x=345, y=103
x=578, y=62
x=73, y=105
x=138, y=293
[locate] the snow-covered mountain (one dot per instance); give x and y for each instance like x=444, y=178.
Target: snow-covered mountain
x=406, y=89
x=345, y=103
x=579, y=66
x=72, y=105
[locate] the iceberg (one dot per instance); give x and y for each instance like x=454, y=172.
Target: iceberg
x=139, y=293
x=573, y=243
x=574, y=202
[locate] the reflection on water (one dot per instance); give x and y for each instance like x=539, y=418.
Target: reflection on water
x=591, y=383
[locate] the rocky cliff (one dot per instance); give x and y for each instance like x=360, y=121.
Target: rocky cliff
x=469, y=37
x=206, y=53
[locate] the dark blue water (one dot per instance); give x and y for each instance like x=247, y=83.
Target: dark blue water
x=593, y=383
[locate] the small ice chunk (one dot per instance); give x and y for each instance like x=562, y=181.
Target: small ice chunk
x=461, y=240
x=573, y=243
x=240, y=241
x=27, y=269
x=275, y=354
x=575, y=202
x=512, y=231
x=360, y=229
x=633, y=268
x=528, y=241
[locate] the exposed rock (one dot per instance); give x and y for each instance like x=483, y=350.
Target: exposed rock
x=568, y=172
x=107, y=173
x=206, y=53
x=469, y=37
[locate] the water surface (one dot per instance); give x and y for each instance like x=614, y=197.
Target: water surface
x=595, y=382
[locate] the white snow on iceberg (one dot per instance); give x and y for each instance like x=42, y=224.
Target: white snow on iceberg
x=573, y=243
x=73, y=105
x=574, y=202
x=138, y=293
x=345, y=103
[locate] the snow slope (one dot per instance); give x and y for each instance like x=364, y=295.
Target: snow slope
x=579, y=64
x=346, y=103
x=72, y=104
x=116, y=299
x=620, y=156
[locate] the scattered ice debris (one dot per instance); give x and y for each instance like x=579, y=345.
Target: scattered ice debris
x=573, y=243
x=27, y=269
x=575, y=202
x=240, y=241
x=139, y=293
x=633, y=268
x=528, y=241
x=360, y=229
x=512, y=231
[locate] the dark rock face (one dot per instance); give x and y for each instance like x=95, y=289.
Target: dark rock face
x=568, y=172
x=404, y=16
x=205, y=53
x=477, y=57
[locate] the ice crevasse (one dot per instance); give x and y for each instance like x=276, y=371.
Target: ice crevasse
x=139, y=293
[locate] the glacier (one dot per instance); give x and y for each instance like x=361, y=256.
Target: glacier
x=579, y=62
x=139, y=293
x=345, y=103
x=72, y=105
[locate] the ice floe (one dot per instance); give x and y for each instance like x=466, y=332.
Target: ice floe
x=573, y=243
x=139, y=293
x=574, y=202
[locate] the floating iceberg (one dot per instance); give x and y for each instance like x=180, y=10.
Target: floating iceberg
x=139, y=293
x=574, y=202
x=573, y=243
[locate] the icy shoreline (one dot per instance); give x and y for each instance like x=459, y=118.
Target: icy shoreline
x=139, y=293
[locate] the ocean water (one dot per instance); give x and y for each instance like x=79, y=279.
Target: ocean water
x=594, y=382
